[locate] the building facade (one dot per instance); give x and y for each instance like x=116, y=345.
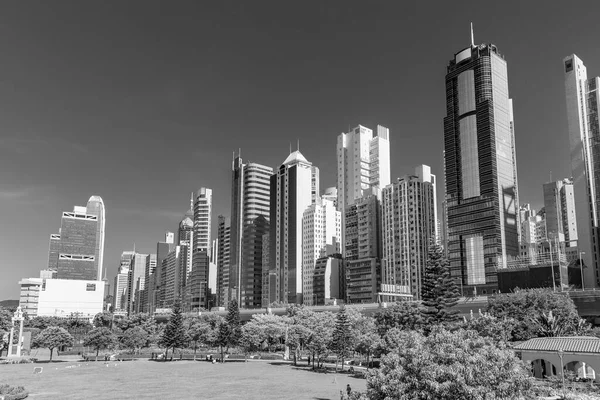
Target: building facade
x=362, y=256
x=201, y=248
x=292, y=191
x=582, y=99
x=329, y=280
x=363, y=163
x=250, y=202
x=409, y=218
x=561, y=218
x=321, y=236
x=224, y=242
x=480, y=169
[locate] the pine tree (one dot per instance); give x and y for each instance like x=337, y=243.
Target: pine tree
x=174, y=334
x=233, y=322
x=439, y=291
x=342, y=338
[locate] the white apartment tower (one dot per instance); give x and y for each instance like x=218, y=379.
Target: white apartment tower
x=582, y=98
x=321, y=236
x=363, y=163
x=409, y=217
x=293, y=189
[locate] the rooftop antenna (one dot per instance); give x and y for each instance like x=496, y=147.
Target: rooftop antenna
x=240, y=152
x=472, y=37
x=290, y=147
x=298, y=145
x=192, y=201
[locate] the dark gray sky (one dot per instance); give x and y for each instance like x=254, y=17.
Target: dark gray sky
x=144, y=102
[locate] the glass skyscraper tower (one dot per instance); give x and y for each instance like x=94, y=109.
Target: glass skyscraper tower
x=480, y=169
x=583, y=97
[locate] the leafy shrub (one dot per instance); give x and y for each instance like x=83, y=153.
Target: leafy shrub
x=13, y=393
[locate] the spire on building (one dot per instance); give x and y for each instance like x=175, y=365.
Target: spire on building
x=472, y=37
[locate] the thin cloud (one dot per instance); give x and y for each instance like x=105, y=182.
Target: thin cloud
x=27, y=145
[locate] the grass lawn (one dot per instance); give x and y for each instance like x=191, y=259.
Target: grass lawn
x=176, y=380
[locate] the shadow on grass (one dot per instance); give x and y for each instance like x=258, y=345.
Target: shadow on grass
x=50, y=362
x=280, y=363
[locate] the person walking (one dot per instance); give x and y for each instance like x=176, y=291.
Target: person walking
x=348, y=389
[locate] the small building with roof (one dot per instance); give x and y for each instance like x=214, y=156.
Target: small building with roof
x=549, y=356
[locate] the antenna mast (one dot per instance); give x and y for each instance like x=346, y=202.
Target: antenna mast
x=472, y=37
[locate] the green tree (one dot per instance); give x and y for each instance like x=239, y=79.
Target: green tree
x=222, y=335
x=5, y=325
x=366, y=338
x=499, y=329
x=297, y=329
x=402, y=314
x=51, y=338
x=103, y=319
x=44, y=322
x=320, y=327
x=439, y=290
x=525, y=306
x=174, y=335
x=251, y=338
x=100, y=338
x=447, y=366
x=233, y=322
x=135, y=339
x=342, y=343
x=272, y=328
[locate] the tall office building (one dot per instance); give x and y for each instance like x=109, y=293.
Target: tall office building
x=409, y=217
x=201, y=248
x=95, y=206
x=224, y=242
x=583, y=97
x=561, y=220
x=363, y=166
x=321, y=236
x=362, y=256
x=79, y=247
x=480, y=169
x=250, y=191
x=121, y=280
x=135, y=279
x=158, y=277
x=147, y=305
x=292, y=191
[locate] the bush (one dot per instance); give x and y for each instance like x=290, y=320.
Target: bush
x=22, y=360
x=13, y=393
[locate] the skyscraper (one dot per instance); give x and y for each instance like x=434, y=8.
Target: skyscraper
x=409, y=216
x=79, y=248
x=121, y=280
x=321, y=236
x=224, y=242
x=480, y=169
x=292, y=190
x=201, y=248
x=583, y=97
x=250, y=191
x=135, y=279
x=95, y=206
x=363, y=166
x=559, y=204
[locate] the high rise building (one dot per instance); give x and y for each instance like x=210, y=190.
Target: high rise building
x=363, y=165
x=95, y=206
x=321, y=236
x=409, y=217
x=135, y=279
x=224, y=241
x=328, y=280
x=158, y=277
x=250, y=191
x=201, y=248
x=561, y=220
x=292, y=190
x=480, y=169
x=583, y=97
x=121, y=280
x=362, y=257
x=80, y=243
x=147, y=304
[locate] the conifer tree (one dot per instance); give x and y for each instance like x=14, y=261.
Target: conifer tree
x=233, y=322
x=439, y=291
x=174, y=334
x=342, y=337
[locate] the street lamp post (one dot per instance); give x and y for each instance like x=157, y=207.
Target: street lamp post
x=581, y=269
x=562, y=369
x=552, y=265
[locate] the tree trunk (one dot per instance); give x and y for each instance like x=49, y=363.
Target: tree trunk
x=51, y=350
x=313, y=360
x=342, y=362
x=368, y=353
x=195, y=348
x=222, y=357
x=166, y=354
x=97, y=351
x=294, y=357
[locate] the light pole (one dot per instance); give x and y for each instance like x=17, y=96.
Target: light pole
x=552, y=265
x=562, y=369
x=581, y=269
